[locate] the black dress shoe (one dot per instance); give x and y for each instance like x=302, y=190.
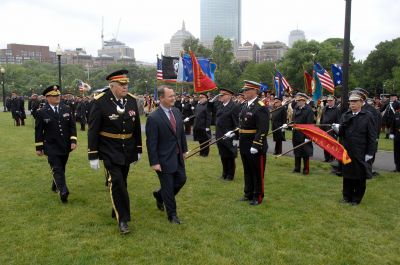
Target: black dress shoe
x=123, y=228
x=64, y=197
x=354, y=203
x=343, y=201
x=174, y=220
x=159, y=201
x=244, y=199
x=296, y=171
x=254, y=202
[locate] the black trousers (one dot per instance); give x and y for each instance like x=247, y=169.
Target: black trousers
x=117, y=182
x=205, y=151
x=396, y=151
x=228, y=167
x=278, y=147
x=328, y=156
x=57, y=164
x=354, y=189
x=171, y=184
x=306, y=164
x=254, y=168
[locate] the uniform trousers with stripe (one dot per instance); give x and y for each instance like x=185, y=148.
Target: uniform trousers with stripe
x=57, y=164
x=254, y=168
x=117, y=183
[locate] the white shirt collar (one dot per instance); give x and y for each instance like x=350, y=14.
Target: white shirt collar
x=251, y=101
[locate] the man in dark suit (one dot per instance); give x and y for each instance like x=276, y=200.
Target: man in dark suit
x=227, y=119
x=115, y=137
x=17, y=109
x=201, y=124
x=55, y=136
x=166, y=146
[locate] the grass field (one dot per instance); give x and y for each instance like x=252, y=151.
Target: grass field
x=299, y=222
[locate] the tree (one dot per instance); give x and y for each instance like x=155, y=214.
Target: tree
x=198, y=49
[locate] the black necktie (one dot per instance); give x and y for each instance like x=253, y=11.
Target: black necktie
x=56, y=110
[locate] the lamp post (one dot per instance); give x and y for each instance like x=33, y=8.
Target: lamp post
x=146, y=85
x=3, y=71
x=59, y=53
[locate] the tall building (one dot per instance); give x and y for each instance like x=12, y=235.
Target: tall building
x=175, y=46
x=271, y=51
x=220, y=17
x=116, y=49
x=296, y=35
x=247, y=52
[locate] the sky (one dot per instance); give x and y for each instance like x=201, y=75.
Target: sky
x=146, y=25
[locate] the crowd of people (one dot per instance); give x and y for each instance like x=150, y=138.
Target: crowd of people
x=241, y=120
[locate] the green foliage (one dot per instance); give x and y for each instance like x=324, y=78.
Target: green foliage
x=198, y=49
x=300, y=221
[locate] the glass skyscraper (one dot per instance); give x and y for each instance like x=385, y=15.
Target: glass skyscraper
x=220, y=17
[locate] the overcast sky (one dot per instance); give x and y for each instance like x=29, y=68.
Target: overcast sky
x=147, y=24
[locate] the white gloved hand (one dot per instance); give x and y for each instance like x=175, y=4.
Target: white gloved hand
x=253, y=151
x=307, y=140
x=207, y=129
x=94, y=164
x=368, y=157
x=391, y=136
x=335, y=127
x=229, y=134
x=192, y=108
x=235, y=143
x=284, y=126
x=183, y=105
x=186, y=119
x=139, y=156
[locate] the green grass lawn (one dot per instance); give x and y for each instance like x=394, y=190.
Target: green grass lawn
x=299, y=222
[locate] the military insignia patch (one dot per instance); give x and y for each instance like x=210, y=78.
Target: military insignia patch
x=113, y=117
x=132, y=113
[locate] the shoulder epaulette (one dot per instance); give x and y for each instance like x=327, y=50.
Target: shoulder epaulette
x=99, y=95
x=261, y=103
x=130, y=94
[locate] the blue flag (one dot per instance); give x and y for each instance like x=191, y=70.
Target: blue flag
x=206, y=66
x=279, y=85
x=337, y=74
x=263, y=87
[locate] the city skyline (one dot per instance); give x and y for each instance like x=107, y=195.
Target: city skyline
x=146, y=26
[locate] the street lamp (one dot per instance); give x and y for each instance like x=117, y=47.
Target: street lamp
x=59, y=53
x=3, y=71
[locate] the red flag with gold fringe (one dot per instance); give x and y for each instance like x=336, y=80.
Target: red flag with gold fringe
x=201, y=82
x=325, y=141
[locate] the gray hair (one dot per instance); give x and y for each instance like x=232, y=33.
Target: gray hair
x=161, y=90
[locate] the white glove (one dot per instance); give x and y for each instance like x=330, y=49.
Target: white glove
x=307, y=140
x=207, y=129
x=253, y=151
x=391, y=136
x=235, y=142
x=139, y=156
x=94, y=164
x=183, y=105
x=335, y=127
x=186, y=119
x=192, y=108
x=368, y=157
x=229, y=134
x=284, y=126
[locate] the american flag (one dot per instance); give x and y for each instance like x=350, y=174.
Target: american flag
x=159, y=69
x=324, y=78
x=284, y=82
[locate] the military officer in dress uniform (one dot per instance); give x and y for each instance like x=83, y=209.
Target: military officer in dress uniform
x=55, y=136
x=302, y=114
x=330, y=114
x=254, y=125
x=114, y=136
x=278, y=118
x=202, y=123
x=227, y=119
x=358, y=134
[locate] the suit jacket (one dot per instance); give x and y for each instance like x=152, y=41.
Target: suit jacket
x=105, y=118
x=202, y=121
x=227, y=119
x=55, y=133
x=303, y=115
x=164, y=146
